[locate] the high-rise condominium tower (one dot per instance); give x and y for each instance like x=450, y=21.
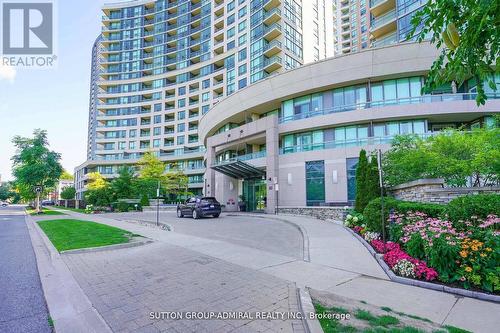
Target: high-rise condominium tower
x=372, y=23
x=159, y=65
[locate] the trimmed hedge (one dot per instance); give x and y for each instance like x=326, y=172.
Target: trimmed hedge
x=480, y=205
x=372, y=211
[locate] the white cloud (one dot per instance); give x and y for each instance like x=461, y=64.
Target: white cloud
x=7, y=73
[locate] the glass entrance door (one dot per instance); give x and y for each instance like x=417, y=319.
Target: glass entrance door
x=255, y=194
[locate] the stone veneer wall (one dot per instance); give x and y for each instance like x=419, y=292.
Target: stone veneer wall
x=322, y=213
x=433, y=190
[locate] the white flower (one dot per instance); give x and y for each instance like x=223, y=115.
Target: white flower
x=355, y=219
x=404, y=268
x=349, y=216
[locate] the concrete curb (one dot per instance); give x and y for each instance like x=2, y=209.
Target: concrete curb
x=311, y=325
x=109, y=247
x=69, y=306
x=302, y=230
x=422, y=284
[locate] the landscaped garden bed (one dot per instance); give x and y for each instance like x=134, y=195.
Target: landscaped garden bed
x=70, y=234
x=456, y=244
x=43, y=211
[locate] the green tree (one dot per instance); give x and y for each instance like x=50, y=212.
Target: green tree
x=66, y=176
x=98, y=191
x=469, y=31
x=361, y=171
x=5, y=192
x=372, y=179
x=68, y=193
x=454, y=155
x=150, y=167
x=123, y=185
x=34, y=164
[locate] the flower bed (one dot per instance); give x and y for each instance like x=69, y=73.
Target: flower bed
x=466, y=254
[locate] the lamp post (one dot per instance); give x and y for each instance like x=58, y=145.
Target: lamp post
x=158, y=205
x=381, y=183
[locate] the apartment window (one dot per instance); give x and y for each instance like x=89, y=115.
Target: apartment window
x=205, y=97
x=131, y=145
x=157, y=107
x=180, y=139
x=182, y=91
x=205, y=84
x=242, y=12
x=204, y=109
x=242, y=54
x=242, y=83
x=156, y=143
x=230, y=33
x=181, y=103
x=181, y=115
x=181, y=128
x=230, y=6
x=230, y=19
x=315, y=183
x=242, y=39
x=242, y=69
x=231, y=45
x=122, y=145
x=132, y=133
x=157, y=131
x=242, y=26
x=157, y=119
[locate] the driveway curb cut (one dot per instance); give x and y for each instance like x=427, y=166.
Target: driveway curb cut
x=422, y=284
x=302, y=230
x=69, y=306
x=109, y=247
x=311, y=325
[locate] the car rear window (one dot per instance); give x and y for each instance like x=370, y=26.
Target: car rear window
x=208, y=200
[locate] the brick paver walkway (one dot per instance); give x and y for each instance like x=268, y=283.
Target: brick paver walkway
x=126, y=285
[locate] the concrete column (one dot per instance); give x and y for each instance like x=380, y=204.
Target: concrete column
x=209, y=186
x=272, y=162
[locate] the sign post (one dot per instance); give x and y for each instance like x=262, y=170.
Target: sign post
x=38, y=191
x=158, y=204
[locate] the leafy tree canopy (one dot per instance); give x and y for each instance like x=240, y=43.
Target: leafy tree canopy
x=66, y=176
x=454, y=155
x=96, y=181
x=34, y=164
x=68, y=193
x=469, y=30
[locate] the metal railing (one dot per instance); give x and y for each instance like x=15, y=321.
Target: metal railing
x=245, y=157
x=383, y=19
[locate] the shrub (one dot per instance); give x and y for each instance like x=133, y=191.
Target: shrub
x=373, y=209
x=122, y=206
x=465, y=207
x=144, y=200
x=361, y=172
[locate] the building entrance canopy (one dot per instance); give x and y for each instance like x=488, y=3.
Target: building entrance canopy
x=239, y=170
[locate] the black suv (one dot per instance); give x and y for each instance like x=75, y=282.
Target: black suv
x=199, y=207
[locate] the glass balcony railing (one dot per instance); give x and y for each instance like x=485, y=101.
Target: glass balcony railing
x=343, y=143
x=384, y=19
x=391, y=39
x=399, y=101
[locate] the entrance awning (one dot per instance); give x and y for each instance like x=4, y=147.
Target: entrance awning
x=238, y=169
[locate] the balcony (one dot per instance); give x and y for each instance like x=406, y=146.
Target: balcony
x=379, y=7
x=272, y=16
x=272, y=31
x=384, y=24
x=269, y=4
x=272, y=64
x=385, y=40
x=272, y=48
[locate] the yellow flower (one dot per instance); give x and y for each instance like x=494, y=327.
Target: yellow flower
x=474, y=248
x=468, y=269
x=463, y=254
x=488, y=249
x=465, y=246
x=483, y=255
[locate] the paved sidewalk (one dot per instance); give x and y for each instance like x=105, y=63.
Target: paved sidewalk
x=340, y=265
x=22, y=304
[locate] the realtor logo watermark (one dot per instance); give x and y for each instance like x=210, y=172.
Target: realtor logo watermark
x=28, y=33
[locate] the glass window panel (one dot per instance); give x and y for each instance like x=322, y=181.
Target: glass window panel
x=361, y=96
x=315, y=183
x=390, y=90
x=340, y=134
x=351, y=132
x=317, y=102
x=415, y=86
x=349, y=96
x=288, y=108
x=317, y=138
x=379, y=130
x=405, y=127
x=351, y=166
x=403, y=88
x=419, y=126
x=377, y=92
x=362, y=132
x=392, y=128
x=338, y=98
x=302, y=105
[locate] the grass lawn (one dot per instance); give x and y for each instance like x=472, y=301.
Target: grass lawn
x=45, y=211
x=366, y=322
x=78, y=210
x=69, y=234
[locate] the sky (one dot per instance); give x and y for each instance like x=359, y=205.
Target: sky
x=55, y=99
